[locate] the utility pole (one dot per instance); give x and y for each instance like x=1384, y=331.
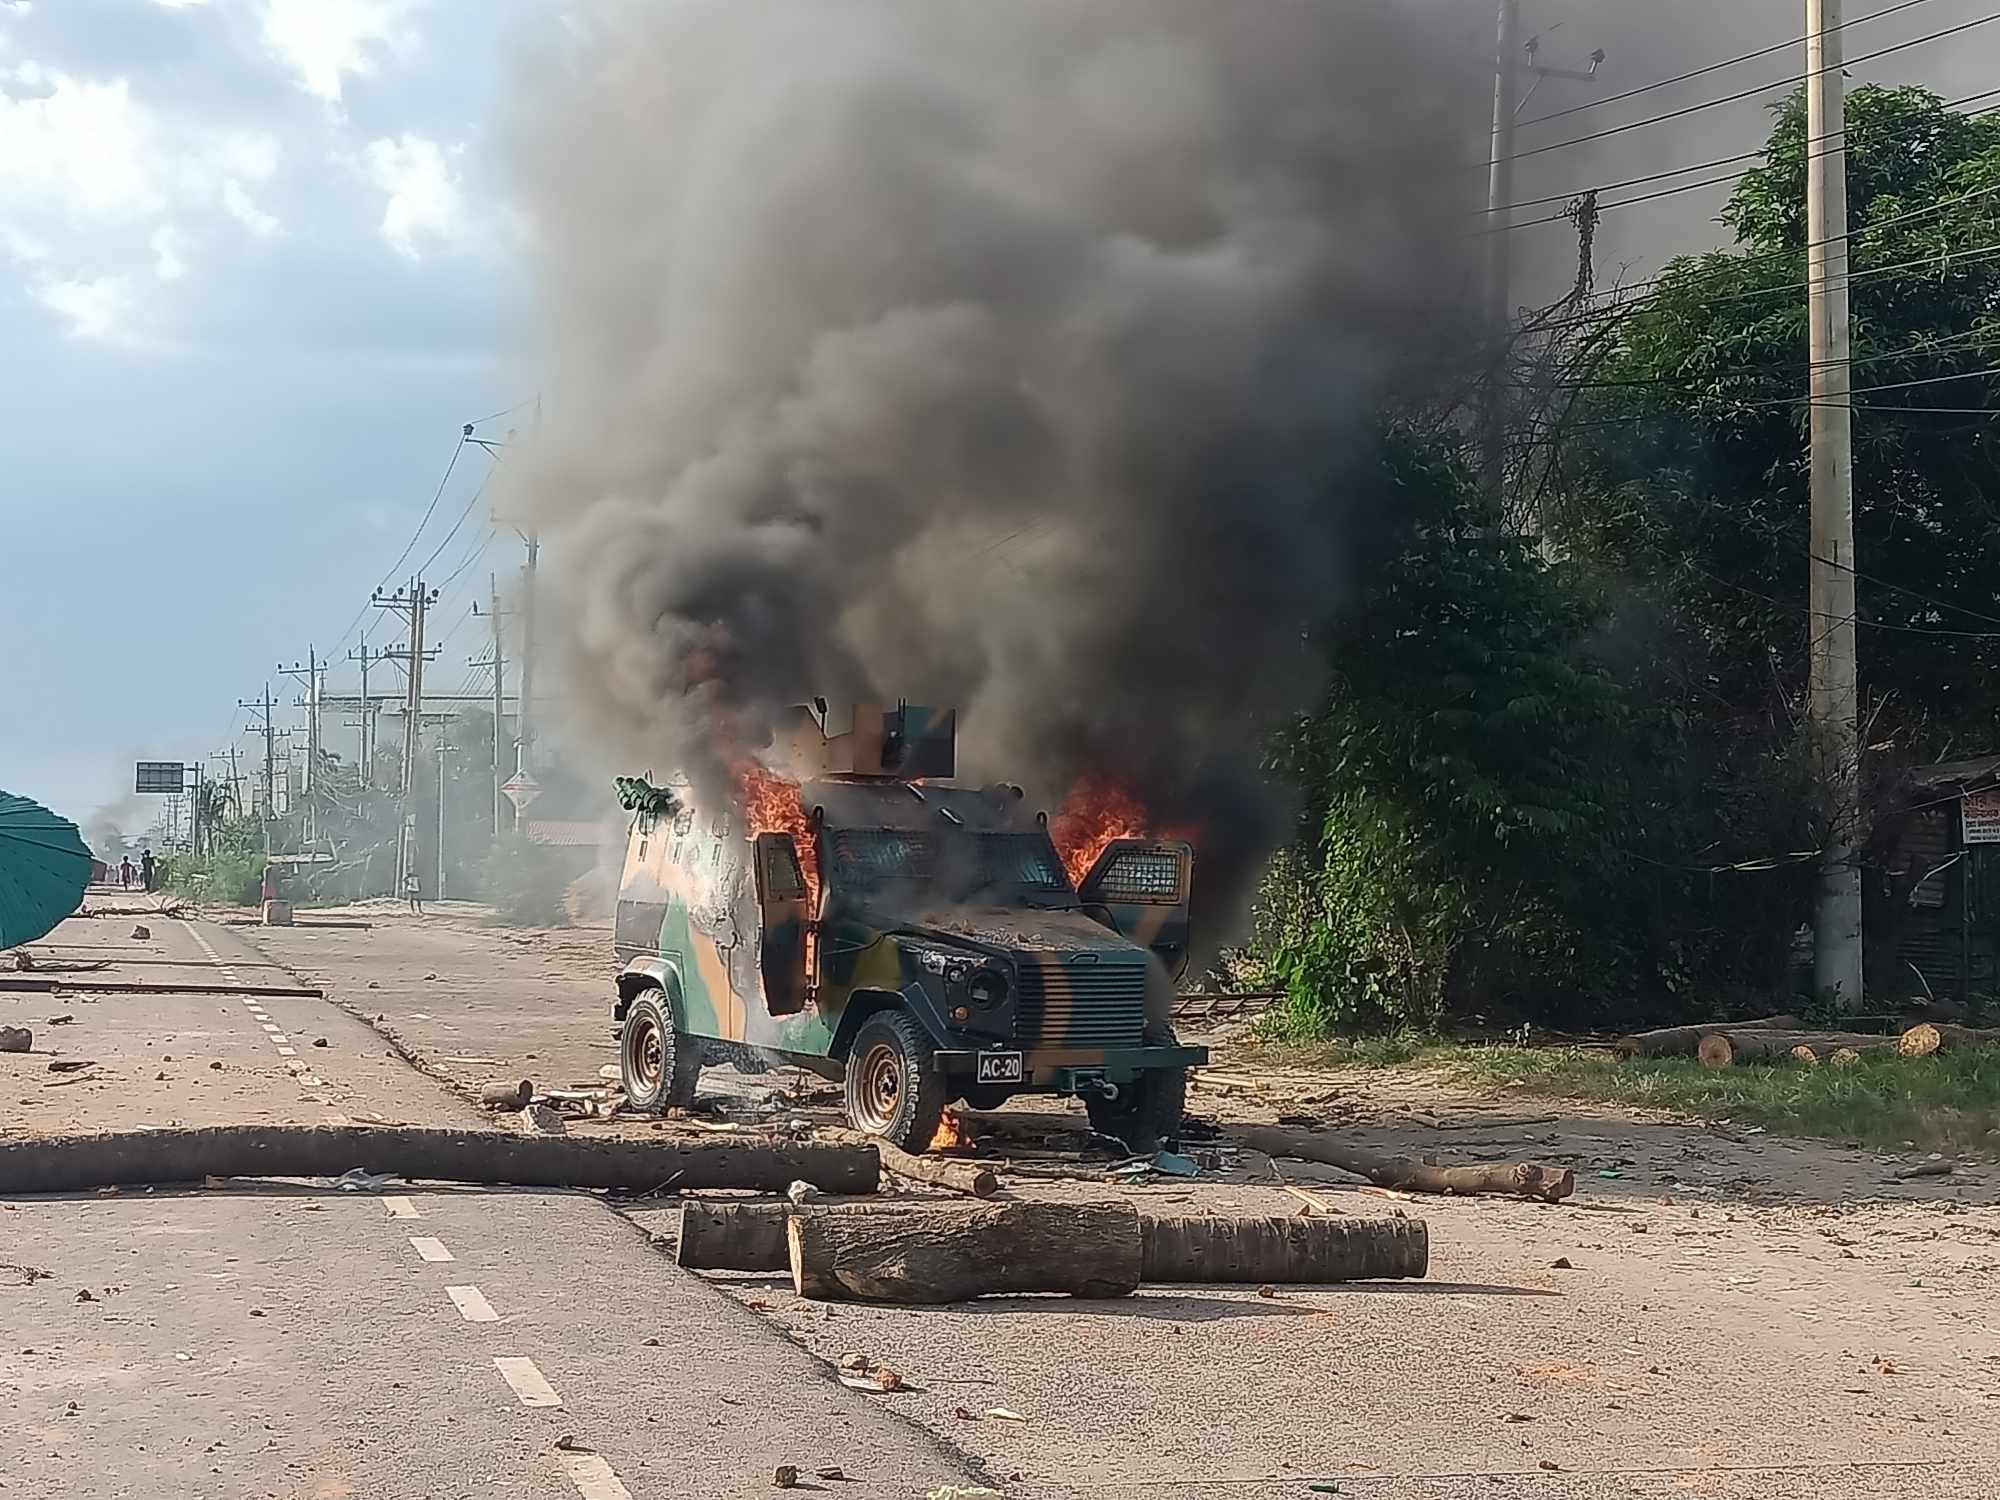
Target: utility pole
x=410, y=603
x=499, y=665
x=1833, y=696
x=444, y=749
x=526, y=729
x=309, y=675
x=269, y=730
x=367, y=713
x=235, y=782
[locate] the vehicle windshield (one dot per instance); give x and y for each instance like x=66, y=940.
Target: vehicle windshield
x=998, y=867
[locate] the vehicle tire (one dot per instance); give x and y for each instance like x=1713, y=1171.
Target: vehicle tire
x=988, y=1095
x=1148, y=1110
x=657, y=1065
x=894, y=1087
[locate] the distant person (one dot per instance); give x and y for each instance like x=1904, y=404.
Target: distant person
x=125, y=873
x=413, y=889
x=146, y=869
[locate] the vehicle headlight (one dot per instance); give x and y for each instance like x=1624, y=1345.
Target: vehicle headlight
x=987, y=989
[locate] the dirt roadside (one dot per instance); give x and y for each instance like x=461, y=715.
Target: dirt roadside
x=1741, y=1315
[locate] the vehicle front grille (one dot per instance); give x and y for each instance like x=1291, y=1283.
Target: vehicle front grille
x=1080, y=1005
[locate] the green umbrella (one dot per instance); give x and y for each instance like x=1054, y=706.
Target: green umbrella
x=44, y=867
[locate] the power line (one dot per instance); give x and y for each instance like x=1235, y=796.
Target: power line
x=1727, y=62
x=1973, y=339
x=410, y=546
x=1701, y=166
x=1762, y=88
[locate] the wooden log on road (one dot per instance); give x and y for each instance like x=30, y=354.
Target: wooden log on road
x=73, y=1163
x=1681, y=1041
x=733, y=1236
x=1927, y=1038
x=1519, y=1179
x=753, y=1237
x=950, y=1252
x=1723, y=1049
x=939, y=1171
x=1281, y=1250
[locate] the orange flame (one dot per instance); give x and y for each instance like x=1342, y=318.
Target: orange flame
x=951, y=1133
x=772, y=804
x=1096, y=811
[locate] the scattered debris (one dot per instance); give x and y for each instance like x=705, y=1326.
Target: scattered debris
x=142, y=933
x=72, y=1064
x=361, y=1180
x=801, y=1192
x=60, y=1021
x=830, y=1471
x=508, y=1096
x=86, y=1295
x=1561, y=1263
x=1938, y=1168
x=1002, y=1414
x=1518, y=1179
x=29, y=1274
x=539, y=1119
x=786, y=1476
x=319, y=1041
x=887, y=1379
x=16, y=1039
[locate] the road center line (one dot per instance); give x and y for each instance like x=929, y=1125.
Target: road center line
x=401, y=1208
x=429, y=1248
x=472, y=1303
x=527, y=1381
x=288, y=1052
x=593, y=1478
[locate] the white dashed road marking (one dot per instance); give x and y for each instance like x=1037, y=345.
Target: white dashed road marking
x=593, y=1478
x=527, y=1381
x=401, y=1208
x=429, y=1248
x=471, y=1302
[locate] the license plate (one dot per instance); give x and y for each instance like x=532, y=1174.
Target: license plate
x=999, y=1067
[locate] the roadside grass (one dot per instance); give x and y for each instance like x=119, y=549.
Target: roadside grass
x=1947, y=1102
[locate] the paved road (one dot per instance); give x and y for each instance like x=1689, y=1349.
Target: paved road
x=296, y=1341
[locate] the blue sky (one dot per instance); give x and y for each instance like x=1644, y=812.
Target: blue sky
x=254, y=274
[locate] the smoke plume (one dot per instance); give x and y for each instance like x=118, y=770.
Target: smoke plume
x=1016, y=356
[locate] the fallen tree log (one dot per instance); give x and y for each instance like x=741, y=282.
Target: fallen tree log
x=1681, y=1041
x=753, y=1237
x=939, y=1171
x=1928, y=1038
x=1723, y=1049
x=733, y=1237
x=69, y=1163
x=1277, y=1249
x=1520, y=1179
x=949, y=1252
x=508, y=1095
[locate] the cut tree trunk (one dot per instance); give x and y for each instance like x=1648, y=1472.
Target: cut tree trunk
x=70, y=1163
x=1929, y=1037
x=1520, y=1179
x=508, y=1095
x=952, y=1253
x=752, y=1237
x=939, y=1171
x=1722, y=1049
x=733, y=1237
x=1681, y=1041
x=1285, y=1249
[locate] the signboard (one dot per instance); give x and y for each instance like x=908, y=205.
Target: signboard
x=1979, y=816
x=521, y=789
x=161, y=776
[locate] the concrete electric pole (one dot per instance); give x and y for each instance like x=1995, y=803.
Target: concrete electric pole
x=499, y=666
x=268, y=729
x=410, y=604
x=1833, y=707
x=309, y=677
x=367, y=713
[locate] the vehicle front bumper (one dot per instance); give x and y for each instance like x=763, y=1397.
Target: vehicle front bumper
x=1063, y=1068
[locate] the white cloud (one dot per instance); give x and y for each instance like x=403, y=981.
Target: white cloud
x=322, y=41
x=167, y=244
x=178, y=4
x=241, y=207
x=425, y=193
x=97, y=309
x=83, y=141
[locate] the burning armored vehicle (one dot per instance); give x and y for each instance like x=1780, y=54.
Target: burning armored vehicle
x=920, y=941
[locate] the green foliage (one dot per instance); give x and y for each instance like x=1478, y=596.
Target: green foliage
x=525, y=883
x=233, y=875
x=1951, y=1101
x=1468, y=782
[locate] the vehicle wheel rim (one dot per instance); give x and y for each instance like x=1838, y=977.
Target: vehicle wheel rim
x=880, y=1090
x=648, y=1052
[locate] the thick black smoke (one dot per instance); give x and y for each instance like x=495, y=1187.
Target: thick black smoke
x=1022, y=356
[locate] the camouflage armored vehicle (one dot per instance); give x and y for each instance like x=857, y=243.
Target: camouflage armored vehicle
x=919, y=941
